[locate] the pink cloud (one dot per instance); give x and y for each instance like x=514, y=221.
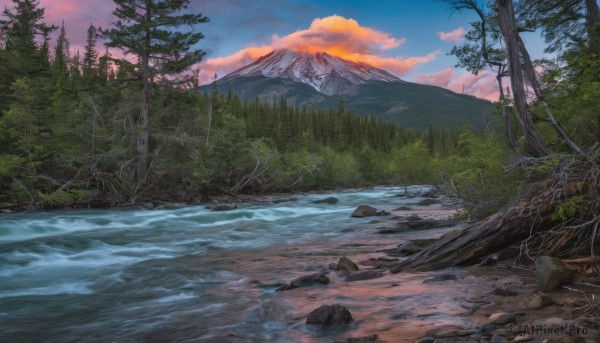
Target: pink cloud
x=483, y=85
x=336, y=35
x=452, y=36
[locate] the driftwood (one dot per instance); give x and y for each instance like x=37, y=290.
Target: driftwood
x=469, y=245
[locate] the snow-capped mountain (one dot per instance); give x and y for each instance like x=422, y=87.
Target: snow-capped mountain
x=327, y=74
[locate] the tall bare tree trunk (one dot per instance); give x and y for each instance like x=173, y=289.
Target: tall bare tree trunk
x=511, y=39
x=539, y=93
x=505, y=113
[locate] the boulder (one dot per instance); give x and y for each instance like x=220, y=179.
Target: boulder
x=304, y=281
x=345, y=264
x=366, y=275
x=367, y=211
x=328, y=200
x=540, y=300
x=551, y=272
x=330, y=315
x=220, y=208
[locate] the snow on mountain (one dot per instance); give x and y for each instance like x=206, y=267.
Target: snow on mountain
x=327, y=74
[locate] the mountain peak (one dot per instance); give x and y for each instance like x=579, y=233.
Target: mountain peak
x=327, y=74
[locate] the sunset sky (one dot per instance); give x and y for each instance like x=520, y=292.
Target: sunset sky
x=410, y=39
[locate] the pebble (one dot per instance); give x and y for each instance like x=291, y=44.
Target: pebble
x=540, y=300
x=524, y=338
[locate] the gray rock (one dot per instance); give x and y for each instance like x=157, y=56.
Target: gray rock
x=524, y=338
x=366, y=275
x=220, y=208
x=551, y=272
x=330, y=315
x=426, y=340
x=328, y=200
x=304, y=281
x=345, y=263
x=540, y=300
x=333, y=266
x=497, y=339
x=367, y=211
x=441, y=278
x=502, y=318
x=409, y=249
x=446, y=334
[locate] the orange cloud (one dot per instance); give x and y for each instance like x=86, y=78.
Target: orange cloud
x=335, y=35
x=483, y=85
x=452, y=36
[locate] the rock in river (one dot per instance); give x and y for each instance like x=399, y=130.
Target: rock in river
x=367, y=275
x=551, y=272
x=367, y=211
x=328, y=200
x=304, y=281
x=220, y=208
x=330, y=315
x=345, y=264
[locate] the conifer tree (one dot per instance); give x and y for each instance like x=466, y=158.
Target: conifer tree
x=148, y=29
x=22, y=56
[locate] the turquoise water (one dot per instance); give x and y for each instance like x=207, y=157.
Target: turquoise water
x=189, y=274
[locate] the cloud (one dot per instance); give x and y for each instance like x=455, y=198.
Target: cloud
x=336, y=35
x=227, y=64
x=483, y=85
x=452, y=36
x=78, y=16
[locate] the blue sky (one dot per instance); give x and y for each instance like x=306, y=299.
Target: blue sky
x=400, y=36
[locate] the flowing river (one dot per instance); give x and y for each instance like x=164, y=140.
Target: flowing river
x=191, y=275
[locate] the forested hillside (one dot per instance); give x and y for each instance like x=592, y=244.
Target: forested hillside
x=71, y=123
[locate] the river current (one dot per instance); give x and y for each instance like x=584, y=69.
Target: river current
x=192, y=275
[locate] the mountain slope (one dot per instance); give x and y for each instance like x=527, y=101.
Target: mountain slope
x=406, y=104
x=327, y=74
x=320, y=80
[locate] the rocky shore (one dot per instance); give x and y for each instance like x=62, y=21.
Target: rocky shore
x=502, y=301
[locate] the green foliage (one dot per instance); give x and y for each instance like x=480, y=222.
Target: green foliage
x=568, y=209
x=63, y=197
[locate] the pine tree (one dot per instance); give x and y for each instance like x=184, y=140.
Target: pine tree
x=22, y=57
x=90, y=55
x=147, y=29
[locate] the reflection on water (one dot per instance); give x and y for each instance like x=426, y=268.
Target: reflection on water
x=193, y=275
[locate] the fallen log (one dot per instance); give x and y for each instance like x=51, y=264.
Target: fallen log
x=468, y=245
